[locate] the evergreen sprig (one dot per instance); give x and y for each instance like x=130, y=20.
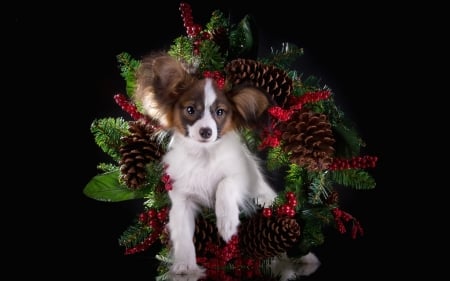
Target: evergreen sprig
x=182, y=48
x=276, y=159
x=319, y=188
x=134, y=235
x=128, y=66
x=107, y=134
x=107, y=167
x=210, y=57
x=356, y=178
x=217, y=21
x=283, y=58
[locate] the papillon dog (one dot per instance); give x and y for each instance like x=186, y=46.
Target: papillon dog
x=208, y=163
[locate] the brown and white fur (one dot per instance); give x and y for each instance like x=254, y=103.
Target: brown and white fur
x=206, y=160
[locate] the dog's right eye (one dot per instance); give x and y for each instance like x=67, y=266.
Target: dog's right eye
x=190, y=110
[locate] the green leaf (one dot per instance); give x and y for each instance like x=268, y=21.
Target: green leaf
x=243, y=39
x=106, y=187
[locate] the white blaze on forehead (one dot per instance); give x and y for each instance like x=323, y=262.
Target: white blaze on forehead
x=210, y=94
x=207, y=120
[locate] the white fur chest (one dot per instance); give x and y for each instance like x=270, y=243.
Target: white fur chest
x=196, y=168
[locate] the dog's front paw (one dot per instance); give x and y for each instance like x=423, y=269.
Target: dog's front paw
x=227, y=226
x=186, y=269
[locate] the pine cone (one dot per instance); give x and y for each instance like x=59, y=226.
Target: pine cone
x=309, y=139
x=138, y=149
x=205, y=233
x=262, y=237
x=274, y=81
x=259, y=237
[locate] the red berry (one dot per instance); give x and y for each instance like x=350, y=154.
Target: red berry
x=267, y=212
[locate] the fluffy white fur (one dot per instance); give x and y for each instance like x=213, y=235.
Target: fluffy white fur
x=208, y=164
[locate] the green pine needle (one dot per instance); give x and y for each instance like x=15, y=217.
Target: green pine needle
x=348, y=143
x=217, y=21
x=182, y=48
x=107, y=134
x=276, y=159
x=134, y=235
x=356, y=178
x=128, y=67
x=107, y=167
x=319, y=188
x=210, y=56
x=283, y=58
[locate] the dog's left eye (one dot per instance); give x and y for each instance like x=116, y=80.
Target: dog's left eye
x=220, y=112
x=190, y=110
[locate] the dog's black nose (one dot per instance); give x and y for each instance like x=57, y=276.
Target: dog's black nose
x=205, y=133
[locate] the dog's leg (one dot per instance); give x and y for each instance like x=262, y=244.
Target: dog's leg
x=265, y=194
x=181, y=228
x=228, y=199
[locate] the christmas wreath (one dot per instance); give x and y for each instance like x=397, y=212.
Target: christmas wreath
x=308, y=144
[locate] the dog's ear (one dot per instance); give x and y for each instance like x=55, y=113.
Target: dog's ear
x=250, y=104
x=160, y=79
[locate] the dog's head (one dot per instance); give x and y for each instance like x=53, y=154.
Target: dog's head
x=195, y=107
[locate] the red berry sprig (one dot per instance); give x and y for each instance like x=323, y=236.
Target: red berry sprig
x=341, y=217
x=192, y=29
x=156, y=219
x=288, y=209
x=357, y=162
x=128, y=106
x=298, y=102
x=217, y=76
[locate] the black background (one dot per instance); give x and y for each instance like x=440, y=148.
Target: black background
x=66, y=64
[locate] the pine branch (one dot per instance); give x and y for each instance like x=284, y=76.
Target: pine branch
x=348, y=143
x=107, y=167
x=134, y=235
x=128, y=67
x=217, y=21
x=284, y=57
x=276, y=159
x=182, y=48
x=211, y=57
x=313, y=221
x=356, y=178
x=107, y=134
x=295, y=178
x=250, y=139
x=310, y=84
x=319, y=188
x=156, y=199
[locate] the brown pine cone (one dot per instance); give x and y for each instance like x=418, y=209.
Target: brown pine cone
x=308, y=137
x=274, y=81
x=262, y=237
x=138, y=149
x=205, y=233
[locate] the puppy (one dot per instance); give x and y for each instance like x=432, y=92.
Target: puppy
x=207, y=161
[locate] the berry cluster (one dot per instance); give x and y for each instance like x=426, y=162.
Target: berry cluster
x=341, y=217
x=357, y=162
x=287, y=209
x=217, y=76
x=128, y=106
x=156, y=220
x=193, y=30
x=228, y=258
